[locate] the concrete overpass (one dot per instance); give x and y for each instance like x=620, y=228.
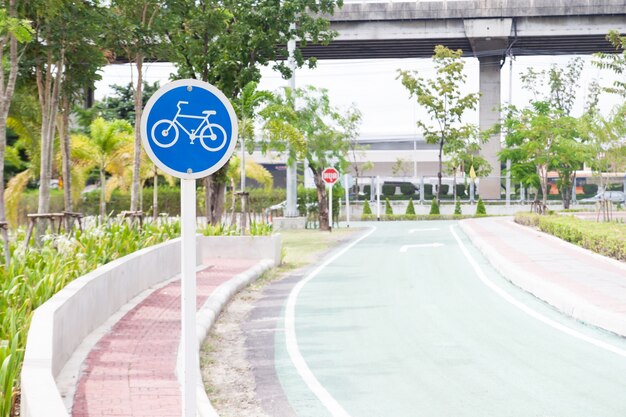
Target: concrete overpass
x=489, y=30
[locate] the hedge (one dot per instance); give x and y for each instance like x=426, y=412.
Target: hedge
x=407, y=189
x=607, y=238
x=388, y=190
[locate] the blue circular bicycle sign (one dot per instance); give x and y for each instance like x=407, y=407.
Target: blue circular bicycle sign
x=189, y=129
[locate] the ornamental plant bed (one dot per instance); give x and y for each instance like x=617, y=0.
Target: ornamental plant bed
x=608, y=239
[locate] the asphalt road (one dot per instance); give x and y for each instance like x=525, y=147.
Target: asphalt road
x=412, y=321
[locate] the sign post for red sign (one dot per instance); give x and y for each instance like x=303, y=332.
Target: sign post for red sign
x=330, y=176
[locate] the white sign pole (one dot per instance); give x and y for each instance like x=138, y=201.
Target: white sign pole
x=330, y=206
x=188, y=295
x=346, y=178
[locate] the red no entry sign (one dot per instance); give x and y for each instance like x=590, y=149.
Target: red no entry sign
x=330, y=175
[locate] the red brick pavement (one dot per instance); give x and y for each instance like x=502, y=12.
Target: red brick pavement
x=131, y=370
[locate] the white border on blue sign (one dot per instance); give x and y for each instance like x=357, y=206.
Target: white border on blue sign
x=233, y=134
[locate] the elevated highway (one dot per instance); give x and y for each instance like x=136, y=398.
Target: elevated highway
x=489, y=30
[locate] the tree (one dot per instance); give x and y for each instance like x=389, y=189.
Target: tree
x=13, y=31
x=615, y=62
x=109, y=150
x=605, y=138
x=121, y=104
x=464, y=156
x=83, y=60
x=225, y=43
x=441, y=97
x=314, y=131
x=544, y=135
x=400, y=168
x=137, y=30
x=246, y=107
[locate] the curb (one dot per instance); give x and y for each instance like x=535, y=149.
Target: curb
x=560, y=298
x=206, y=317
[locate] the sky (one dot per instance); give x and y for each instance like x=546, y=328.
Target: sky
x=372, y=87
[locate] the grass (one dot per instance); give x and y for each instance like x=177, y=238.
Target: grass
x=302, y=247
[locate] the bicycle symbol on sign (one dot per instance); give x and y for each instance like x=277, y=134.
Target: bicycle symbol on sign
x=214, y=134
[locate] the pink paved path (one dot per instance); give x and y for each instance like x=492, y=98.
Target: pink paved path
x=589, y=277
x=131, y=370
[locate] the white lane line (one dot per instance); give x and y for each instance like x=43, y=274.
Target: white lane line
x=404, y=248
x=523, y=307
x=431, y=229
x=299, y=363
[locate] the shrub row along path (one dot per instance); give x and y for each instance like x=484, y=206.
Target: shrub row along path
x=414, y=321
x=131, y=370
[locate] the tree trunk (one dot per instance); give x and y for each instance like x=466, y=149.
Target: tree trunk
x=214, y=202
x=439, y=175
x=103, y=204
x=155, y=195
x=134, y=193
x=64, y=134
x=543, y=176
x=6, y=95
x=49, y=92
x=322, y=200
x=454, y=186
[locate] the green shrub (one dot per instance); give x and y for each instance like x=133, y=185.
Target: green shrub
x=460, y=190
x=410, y=208
x=480, y=208
x=366, y=208
x=36, y=275
x=367, y=190
x=388, y=190
x=590, y=189
x=428, y=191
x=444, y=189
x=457, y=207
x=388, y=209
x=434, y=208
x=407, y=189
x=608, y=239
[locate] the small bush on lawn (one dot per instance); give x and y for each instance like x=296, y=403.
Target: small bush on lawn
x=434, y=208
x=457, y=207
x=480, y=208
x=410, y=209
x=366, y=208
x=388, y=209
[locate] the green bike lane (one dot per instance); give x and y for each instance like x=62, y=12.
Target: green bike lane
x=387, y=331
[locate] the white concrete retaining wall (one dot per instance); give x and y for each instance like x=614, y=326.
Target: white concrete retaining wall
x=59, y=326
x=242, y=247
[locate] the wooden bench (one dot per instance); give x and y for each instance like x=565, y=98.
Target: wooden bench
x=67, y=217
x=35, y=217
x=70, y=217
x=133, y=216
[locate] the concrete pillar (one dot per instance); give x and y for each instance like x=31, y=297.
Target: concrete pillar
x=489, y=114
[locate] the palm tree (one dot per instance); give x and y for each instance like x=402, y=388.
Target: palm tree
x=246, y=107
x=109, y=149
